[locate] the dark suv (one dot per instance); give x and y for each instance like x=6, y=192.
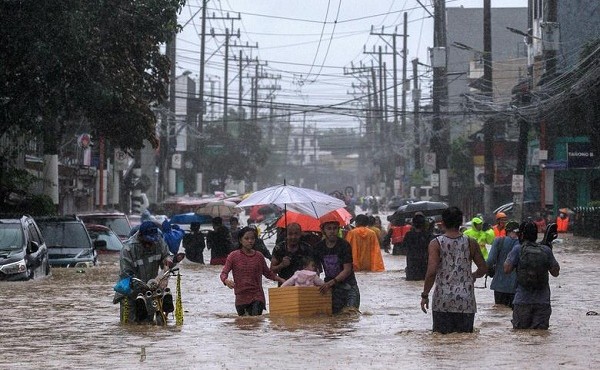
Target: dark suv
x=23, y=253
x=69, y=244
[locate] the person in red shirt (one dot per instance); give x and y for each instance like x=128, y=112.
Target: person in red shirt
x=500, y=227
x=248, y=267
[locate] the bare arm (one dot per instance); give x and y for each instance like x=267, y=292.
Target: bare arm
x=343, y=275
x=278, y=265
x=432, y=266
x=478, y=259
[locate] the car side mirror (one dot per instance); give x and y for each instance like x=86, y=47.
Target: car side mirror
x=99, y=244
x=33, y=247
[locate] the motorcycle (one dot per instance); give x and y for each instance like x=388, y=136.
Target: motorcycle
x=154, y=300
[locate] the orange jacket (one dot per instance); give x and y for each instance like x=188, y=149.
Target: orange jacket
x=398, y=233
x=498, y=232
x=366, y=253
x=562, y=224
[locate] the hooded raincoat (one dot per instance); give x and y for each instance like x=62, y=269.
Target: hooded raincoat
x=366, y=254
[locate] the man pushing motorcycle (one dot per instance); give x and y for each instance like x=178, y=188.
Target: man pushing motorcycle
x=141, y=257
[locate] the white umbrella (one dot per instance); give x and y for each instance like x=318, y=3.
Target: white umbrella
x=218, y=208
x=300, y=200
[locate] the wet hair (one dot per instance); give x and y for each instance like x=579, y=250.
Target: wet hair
x=195, y=226
x=371, y=220
x=306, y=260
x=244, y=230
x=217, y=221
x=233, y=219
x=452, y=217
x=528, y=231
x=418, y=221
x=361, y=220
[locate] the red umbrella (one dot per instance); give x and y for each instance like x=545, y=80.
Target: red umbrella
x=309, y=223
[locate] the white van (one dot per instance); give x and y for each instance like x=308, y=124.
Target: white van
x=421, y=192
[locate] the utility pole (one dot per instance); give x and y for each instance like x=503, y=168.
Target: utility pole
x=404, y=65
x=226, y=70
x=439, y=138
x=488, y=127
x=240, y=77
x=201, y=77
x=254, y=84
x=550, y=49
x=523, y=99
x=416, y=102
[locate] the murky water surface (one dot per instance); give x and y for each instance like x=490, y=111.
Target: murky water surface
x=68, y=321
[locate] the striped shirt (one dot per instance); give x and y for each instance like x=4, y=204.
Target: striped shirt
x=247, y=275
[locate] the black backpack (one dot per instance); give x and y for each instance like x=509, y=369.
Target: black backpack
x=534, y=264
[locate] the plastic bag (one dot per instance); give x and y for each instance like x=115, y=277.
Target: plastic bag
x=123, y=286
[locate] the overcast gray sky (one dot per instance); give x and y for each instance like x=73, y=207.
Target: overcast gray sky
x=309, y=43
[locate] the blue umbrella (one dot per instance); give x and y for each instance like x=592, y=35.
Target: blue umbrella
x=188, y=218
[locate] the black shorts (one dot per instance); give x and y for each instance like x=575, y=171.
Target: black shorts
x=453, y=322
x=251, y=309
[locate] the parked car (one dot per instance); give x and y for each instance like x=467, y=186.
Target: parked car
x=23, y=252
x=530, y=208
x=69, y=244
x=101, y=232
x=116, y=221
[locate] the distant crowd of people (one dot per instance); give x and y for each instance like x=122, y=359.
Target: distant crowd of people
x=518, y=264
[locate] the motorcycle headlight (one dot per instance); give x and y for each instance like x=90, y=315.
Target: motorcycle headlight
x=14, y=267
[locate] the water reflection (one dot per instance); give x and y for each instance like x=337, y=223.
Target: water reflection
x=67, y=320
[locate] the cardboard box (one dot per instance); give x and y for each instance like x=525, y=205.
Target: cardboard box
x=299, y=301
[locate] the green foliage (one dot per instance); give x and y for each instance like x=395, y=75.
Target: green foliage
x=15, y=197
x=226, y=156
x=71, y=59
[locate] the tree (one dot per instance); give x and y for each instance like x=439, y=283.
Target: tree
x=71, y=59
x=226, y=156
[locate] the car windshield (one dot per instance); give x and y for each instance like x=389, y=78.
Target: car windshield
x=113, y=243
x=67, y=234
x=119, y=225
x=11, y=237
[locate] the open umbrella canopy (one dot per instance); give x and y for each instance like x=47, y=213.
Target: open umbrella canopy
x=306, y=222
x=309, y=223
x=219, y=208
x=188, y=218
x=300, y=200
x=428, y=208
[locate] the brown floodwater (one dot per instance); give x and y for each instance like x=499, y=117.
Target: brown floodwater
x=68, y=321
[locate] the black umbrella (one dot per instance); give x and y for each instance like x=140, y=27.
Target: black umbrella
x=426, y=207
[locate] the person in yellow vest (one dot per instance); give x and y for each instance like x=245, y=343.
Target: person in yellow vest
x=482, y=237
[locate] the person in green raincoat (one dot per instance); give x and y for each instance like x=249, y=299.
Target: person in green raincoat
x=482, y=237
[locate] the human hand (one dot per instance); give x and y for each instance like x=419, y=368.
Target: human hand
x=325, y=287
x=286, y=261
x=230, y=283
x=424, y=304
x=169, y=263
x=179, y=257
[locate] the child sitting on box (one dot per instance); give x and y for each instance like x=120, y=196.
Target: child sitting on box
x=305, y=277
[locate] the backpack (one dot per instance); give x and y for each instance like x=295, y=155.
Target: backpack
x=532, y=270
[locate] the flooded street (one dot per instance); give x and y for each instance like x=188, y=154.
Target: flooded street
x=68, y=321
